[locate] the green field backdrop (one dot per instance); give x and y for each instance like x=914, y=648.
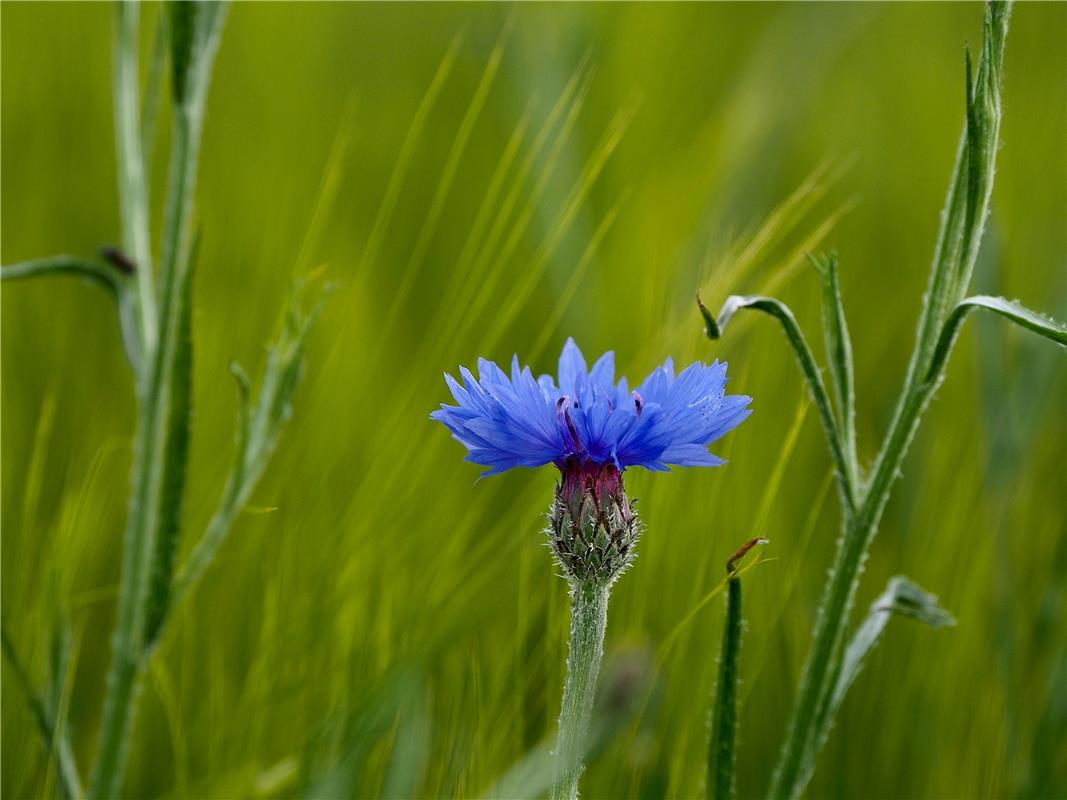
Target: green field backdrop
x=482, y=180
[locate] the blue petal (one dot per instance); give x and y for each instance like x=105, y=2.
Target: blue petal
x=571, y=367
x=512, y=420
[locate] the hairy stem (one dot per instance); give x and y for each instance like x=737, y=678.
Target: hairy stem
x=133, y=195
x=962, y=223
x=797, y=760
x=153, y=425
x=589, y=619
x=723, y=745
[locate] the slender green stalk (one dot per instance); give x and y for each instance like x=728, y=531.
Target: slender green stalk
x=56, y=740
x=944, y=309
x=195, y=38
x=157, y=336
x=133, y=194
x=589, y=619
x=722, y=746
x=963, y=220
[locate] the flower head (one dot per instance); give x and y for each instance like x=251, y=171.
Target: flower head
x=521, y=421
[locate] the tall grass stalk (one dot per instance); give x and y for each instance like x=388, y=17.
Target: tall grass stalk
x=864, y=497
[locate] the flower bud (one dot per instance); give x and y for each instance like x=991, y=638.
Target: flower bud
x=593, y=528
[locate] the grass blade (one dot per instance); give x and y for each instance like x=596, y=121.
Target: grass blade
x=57, y=745
x=358, y=730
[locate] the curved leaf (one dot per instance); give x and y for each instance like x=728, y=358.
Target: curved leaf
x=1009, y=309
x=781, y=312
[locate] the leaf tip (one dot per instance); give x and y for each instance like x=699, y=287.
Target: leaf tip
x=711, y=327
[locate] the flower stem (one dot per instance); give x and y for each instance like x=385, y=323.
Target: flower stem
x=589, y=619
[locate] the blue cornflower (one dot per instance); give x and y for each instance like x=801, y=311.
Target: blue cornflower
x=588, y=419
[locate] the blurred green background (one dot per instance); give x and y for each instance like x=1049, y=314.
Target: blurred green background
x=380, y=624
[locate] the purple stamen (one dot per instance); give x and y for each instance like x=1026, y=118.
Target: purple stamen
x=563, y=408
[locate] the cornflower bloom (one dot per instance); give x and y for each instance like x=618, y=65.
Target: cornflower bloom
x=592, y=428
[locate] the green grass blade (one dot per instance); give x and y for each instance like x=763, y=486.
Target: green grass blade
x=57, y=745
x=354, y=732
x=411, y=745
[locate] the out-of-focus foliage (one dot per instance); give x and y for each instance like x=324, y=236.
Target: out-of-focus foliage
x=483, y=180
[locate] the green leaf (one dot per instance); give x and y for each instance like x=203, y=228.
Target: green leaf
x=967, y=205
x=182, y=26
x=194, y=29
x=1009, y=309
x=107, y=276
x=175, y=458
x=260, y=422
x=722, y=746
x=716, y=326
x=902, y=597
x=838, y=355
